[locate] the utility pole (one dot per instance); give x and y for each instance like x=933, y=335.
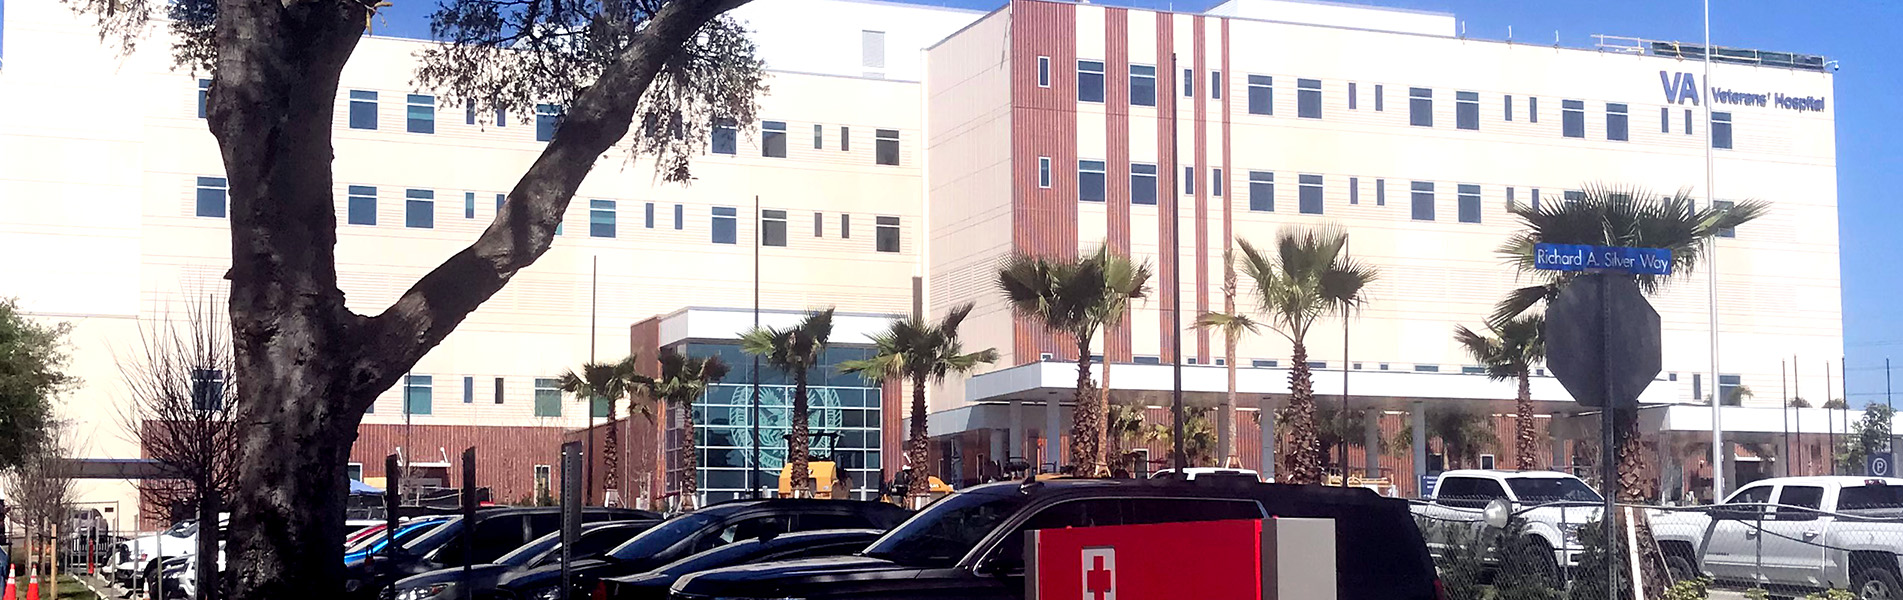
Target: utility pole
x=588, y=467
x=753, y=412
x=1179, y=459
x=1711, y=286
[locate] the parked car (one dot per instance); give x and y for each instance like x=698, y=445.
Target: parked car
x=374, y=543
x=699, y=531
x=496, y=532
x=971, y=544
x=135, y=559
x=1209, y=472
x=1794, y=534
x=654, y=585
x=1554, y=505
x=480, y=580
x=85, y=522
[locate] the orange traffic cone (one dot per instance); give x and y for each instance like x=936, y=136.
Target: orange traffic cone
x=33, y=584
x=11, y=593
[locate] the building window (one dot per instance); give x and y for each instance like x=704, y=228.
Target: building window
x=1688, y=121
x=1264, y=364
x=1090, y=181
x=1423, y=200
x=1616, y=122
x=469, y=113
x=1215, y=182
x=1665, y=119
x=1427, y=368
x=1728, y=232
x=845, y=139
x=1043, y=71
x=886, y=150
x=419, y=209
x=1420, y=107
x=1721, y=130
x=548, y=403
x=502, y=117
x=872, y=52
x=1572, y=118
x=500, y=199
x=354, y=471
x=1215, y=85
x=1142, y=183
x=726, y=225
x=361, y=208
x=1533, y=198
x=1262, y=191
x=498, y=390
x=1469, y=196
x=1728, y=385
x=208, y=389
x=1354, y=190
x=1379, y=97
x=1310, y=194
x=819, y=224
x=601, y=218
x=1508, y=106
x=886, y=238
x=773, y=228
x=1189, y=83
x=1189, y=180
x=1090, y=81
x=1147, y=360
x=1317, y=364
x=1352, y=96
x=845, y=227
x=1532, y=110
x=469, y=390
x=469, y=205
x=548, y=118
x=680, y=217
x=1308, y=98
x=1261, y=95
x=204, y=97
x=1510, y=202
x=1380, y=192
x=211, y=196
x=726, y=138
x=421, y=114
x=1142, y=85
x=416, y=394
x=773, y=139
x=819, y=136
x=363, y=109
x=1044, y=171
x=1467, y=110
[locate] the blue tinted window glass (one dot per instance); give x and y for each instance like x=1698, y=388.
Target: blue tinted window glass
x=419, y=209
x=363, y=205
x=211, y=196
x=363, y=109
x=601, y=218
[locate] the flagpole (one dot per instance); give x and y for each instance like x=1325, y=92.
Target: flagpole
x=1711, y=287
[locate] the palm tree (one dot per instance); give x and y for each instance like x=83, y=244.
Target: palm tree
x=1463, y=436
x=1078, y=297
x=1125, y=427
x=1509, y=351
x=795, y=351
x=682, y=382
x=1198, y=440
x=1310, y=275
x=920, y=352
x=1232, y=324
x=604, y=382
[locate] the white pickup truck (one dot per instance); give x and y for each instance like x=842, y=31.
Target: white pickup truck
x=1794, y=534
x=1553, y=505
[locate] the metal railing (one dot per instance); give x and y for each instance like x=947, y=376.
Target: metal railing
x=1722, y=54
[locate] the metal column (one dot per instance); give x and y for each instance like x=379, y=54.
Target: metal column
x=1419, y=410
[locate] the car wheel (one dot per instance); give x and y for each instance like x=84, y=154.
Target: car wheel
x=1877, y=583
x=1680, y=567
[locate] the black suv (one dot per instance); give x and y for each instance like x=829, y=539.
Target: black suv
x=699, y=531
x=497, y=531
x=971, y=544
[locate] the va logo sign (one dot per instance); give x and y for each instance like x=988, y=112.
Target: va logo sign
x=1679, y=87
x=1100, y=573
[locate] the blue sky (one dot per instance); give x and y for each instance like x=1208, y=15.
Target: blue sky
x=1868, y=98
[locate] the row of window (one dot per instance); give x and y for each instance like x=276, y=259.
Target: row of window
x=1309, y=191
x=773, y=140
x=1308, y=102
x=419, y=395
x=419, y=211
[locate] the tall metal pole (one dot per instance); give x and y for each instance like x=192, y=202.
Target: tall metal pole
x=588, y=466
x=753, y=415
x=1830, y=426
x=1608, y=427
x=1711, y=285
x=1784, y=406
x=1890, y=444
x=1341, y=418
x=1179, y=458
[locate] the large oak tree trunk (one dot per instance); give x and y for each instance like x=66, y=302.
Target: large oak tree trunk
x=307, y=366
x=1302, y=463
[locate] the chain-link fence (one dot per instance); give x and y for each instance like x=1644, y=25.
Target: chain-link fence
x=1826, y=538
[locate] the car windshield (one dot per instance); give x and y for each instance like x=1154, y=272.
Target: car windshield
x=1547, y=490
x=182, y=529
x=653, y=541
x=528, y=552
x=946, y=530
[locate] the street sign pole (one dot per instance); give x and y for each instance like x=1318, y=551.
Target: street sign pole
x=1608, y=433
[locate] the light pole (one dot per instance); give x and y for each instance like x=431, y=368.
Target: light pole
x=1711, y=287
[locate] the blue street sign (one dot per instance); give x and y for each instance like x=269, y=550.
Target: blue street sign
x=1582, y=257
x=1880, y=465
x=1428, y=485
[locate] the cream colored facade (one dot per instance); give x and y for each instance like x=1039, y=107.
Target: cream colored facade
x=100, y=157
